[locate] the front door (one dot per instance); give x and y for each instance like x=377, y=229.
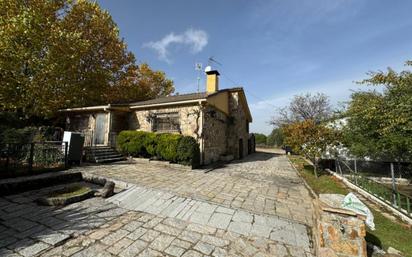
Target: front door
x=100, y=129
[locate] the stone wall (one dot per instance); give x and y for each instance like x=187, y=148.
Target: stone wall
x=189, y=117
x=237, y=128
x=341, y=232
x=214, y=134
x=205, y=123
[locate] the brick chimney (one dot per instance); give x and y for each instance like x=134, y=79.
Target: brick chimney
x=212, y=81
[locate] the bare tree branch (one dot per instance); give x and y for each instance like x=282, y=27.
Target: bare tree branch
x=315, y=107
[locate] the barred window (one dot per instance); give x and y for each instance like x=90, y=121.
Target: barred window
x=166, y=122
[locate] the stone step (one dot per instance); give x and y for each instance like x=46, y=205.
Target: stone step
x=107, y=156
x=114, y=159
x=103, y=154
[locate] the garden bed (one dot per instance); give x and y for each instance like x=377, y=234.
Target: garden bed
x=22, y=184
x=67, y=195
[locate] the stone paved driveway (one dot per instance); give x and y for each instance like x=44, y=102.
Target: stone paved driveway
x=261, y=183
x=257, y=207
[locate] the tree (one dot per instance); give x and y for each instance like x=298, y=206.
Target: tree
x=275, y=138
x=260, y=139
x=380, y=123
x=304, y=107
x=63, y=53
x=310, y=139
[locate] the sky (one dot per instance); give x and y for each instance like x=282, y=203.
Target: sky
x=274, y=49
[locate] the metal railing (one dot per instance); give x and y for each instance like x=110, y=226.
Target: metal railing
x=32, y=157
x=390, y=195
x=113, y=139
x=89, y=138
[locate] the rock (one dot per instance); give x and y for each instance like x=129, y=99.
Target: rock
x=375, y=251
x=108, y=189
x=394, y=251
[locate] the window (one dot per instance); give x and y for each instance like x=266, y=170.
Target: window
x=166, y=122
x=247, y=126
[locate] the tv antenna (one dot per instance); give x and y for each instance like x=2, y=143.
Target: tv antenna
x=212, y=60
x=198, y=67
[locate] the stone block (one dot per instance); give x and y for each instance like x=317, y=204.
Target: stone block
x=220, y=220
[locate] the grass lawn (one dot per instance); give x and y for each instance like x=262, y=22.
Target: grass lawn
x=70, y=191
x=387, y=233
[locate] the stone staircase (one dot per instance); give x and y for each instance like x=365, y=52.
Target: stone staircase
x=101, y=154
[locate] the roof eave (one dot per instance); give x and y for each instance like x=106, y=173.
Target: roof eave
x=168, y=104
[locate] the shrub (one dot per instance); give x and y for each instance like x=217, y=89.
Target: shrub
x=17, y=136
x=132, y=142
x=123, y=140
x=136, y=145
x=150, y=144
x=188, y=152
x=167, y=146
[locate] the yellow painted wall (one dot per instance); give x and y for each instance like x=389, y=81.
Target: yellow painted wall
x=220, y=101
x=212, y=83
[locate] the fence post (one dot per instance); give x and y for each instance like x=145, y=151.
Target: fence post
x=31, y=155
x=336, y=166
x=393, y=184
x=8, y=156
x=356, y=171
x=65, y=155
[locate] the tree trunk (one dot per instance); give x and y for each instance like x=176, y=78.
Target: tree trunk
x=315, y=167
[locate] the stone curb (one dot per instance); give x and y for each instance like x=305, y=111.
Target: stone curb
x=316, y=208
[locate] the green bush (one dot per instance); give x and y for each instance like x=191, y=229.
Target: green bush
x=168, y=147
x=188, y=152
x=18, y=136
x=150, y=144
x=123, y=140
x=132, y=142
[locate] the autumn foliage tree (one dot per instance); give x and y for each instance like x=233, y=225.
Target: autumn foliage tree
x=310, y=139
x=62, y=53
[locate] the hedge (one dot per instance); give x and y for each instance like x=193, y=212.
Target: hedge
x=169, y=147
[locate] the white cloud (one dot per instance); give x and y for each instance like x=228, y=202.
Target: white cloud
x=193, y=38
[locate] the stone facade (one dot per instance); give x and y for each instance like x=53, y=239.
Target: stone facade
x=189, y=124
x=218, y=120
x=238, y=134
x=215, y=134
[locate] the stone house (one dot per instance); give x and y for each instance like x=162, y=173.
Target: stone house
x=217, y=119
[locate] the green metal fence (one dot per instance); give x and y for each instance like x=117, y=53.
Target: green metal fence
x=389, y=195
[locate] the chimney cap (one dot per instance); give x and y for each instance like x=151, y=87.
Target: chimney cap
x=211, y=72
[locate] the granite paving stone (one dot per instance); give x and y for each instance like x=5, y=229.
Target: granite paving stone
x=255, y=207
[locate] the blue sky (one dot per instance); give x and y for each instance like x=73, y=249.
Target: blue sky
x=274, y=49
